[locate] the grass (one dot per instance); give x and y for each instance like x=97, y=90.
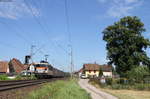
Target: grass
x=18, y=77
x=31, y=77
x=4, y=77
x=124, y=93
x=118, y=86
x=129, y=94
x=68, y=89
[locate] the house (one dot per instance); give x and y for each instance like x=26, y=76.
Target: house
x=107, y=70
x=30, y=67
x=16, y=66
x=91, y=70
x=80, y=72
x=4, y=67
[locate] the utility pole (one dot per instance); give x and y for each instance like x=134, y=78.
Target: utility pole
x=31, y=52
x=70, y=43
x=71, y=62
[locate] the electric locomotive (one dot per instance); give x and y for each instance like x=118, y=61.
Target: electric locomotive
x=43, y=70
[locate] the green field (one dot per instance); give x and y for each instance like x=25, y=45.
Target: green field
x=68, y=89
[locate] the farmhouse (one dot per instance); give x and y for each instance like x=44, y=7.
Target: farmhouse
x=93, y=70
x=107, y=70
x=16, y=66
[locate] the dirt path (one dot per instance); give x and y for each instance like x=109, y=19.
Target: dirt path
x=95, y=93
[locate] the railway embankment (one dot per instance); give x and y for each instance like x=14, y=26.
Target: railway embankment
x=19, y=89
x=61, y=89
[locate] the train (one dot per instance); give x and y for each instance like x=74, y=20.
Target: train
x=45, y=70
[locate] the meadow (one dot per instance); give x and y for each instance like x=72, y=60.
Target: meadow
x=68, y=89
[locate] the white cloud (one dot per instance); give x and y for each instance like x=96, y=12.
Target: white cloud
x=119, y=8
x=16, y=9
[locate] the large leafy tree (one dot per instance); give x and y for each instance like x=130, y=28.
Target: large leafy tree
x=125, y=44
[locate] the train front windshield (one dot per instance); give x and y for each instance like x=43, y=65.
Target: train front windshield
x=41, y=65
x=41, y=68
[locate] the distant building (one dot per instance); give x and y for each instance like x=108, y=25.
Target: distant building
x=16, y=66
x=4, y=67
x=29, y=67
x=80, y=72
x=93, y=70
x=107, y=70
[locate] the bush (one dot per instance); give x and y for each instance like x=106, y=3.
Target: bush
x=120, y=83
x=4, y=77
x=32, y=77
x=19, y=77
x=116, y=86
x=136, y=75
x=133, y=87
x=120, y=86
x=116, y=81
x=141, y=86
x=109, y=81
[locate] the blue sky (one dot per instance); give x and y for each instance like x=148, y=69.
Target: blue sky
x=87, y=18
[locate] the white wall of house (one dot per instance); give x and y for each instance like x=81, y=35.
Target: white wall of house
x=7, y=70
x=31, y=68
x=109, y=74
x=92, y=73
x=80, y=73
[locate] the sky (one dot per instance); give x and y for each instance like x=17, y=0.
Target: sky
x=44, y=24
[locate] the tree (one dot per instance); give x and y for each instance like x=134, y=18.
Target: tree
x=125, y=44
x=100, y=72
x=137, y=74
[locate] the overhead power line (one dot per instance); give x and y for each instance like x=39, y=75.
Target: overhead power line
x=67, y=20
x=18, y=28
x=45, y=31
x=70, y=41
x=36, y=19
x=43, y=27
x=42, y=17
x=15, y=32
x=7, y=45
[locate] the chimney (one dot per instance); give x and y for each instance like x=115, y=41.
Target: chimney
x=27, y=58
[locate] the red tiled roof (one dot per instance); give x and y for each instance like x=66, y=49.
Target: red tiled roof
x=16, y=65
x=80, y=71
x=106, y=68
x=3, y=66
x=91, y=67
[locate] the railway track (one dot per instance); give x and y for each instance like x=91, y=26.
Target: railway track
x=8, y=85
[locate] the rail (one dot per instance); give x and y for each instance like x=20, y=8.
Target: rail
x=8, y=85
